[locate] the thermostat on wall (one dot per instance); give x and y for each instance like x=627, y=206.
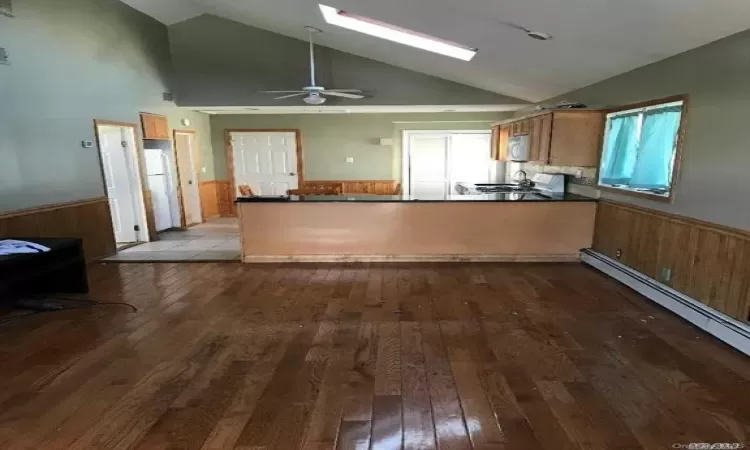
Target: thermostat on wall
x=386, y=142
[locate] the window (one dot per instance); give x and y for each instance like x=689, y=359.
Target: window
x=641, y=149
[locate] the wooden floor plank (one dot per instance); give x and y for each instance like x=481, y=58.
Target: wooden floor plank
x=366, y=356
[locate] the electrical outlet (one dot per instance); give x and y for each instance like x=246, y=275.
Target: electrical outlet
x=618, y=253
x=666, y=275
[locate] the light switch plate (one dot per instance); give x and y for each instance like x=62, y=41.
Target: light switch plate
x=349, y=160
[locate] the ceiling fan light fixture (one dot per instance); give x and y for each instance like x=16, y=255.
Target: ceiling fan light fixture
x=393, y=33
x=314, y=100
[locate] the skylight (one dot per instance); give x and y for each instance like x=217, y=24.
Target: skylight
x=393, y=33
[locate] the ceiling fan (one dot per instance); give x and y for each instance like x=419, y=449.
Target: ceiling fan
x=313, y=92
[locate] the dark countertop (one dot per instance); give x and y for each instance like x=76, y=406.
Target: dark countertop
x=496, y=197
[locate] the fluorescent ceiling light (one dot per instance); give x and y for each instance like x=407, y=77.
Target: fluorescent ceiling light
x=393, y=33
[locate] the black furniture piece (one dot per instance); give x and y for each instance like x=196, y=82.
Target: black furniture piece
x=62, y=270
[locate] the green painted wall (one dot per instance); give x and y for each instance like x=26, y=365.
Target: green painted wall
x=714, y=184
x=329, y=138
x=74, y=61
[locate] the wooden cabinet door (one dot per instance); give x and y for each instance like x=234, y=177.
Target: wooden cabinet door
x=525, y=126
x=541, y=135
x=162, y=127
x=155, y=127
x=495, y=145
x=576, y=138
x=500, y=137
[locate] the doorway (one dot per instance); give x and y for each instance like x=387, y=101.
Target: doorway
x=121, y=172
x=188, y=163
x=434, y=161
x=269, y=161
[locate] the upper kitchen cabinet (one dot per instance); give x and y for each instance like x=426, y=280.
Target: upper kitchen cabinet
x=155, y=127
x=500, y=136
x=558, y=138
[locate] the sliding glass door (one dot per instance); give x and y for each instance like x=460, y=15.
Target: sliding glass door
x=434, y=161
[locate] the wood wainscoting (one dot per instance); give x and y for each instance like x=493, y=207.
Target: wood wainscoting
x=209, y=199
x=708, y=262
x=217, y=199
x=380, y=187
x=86, y=219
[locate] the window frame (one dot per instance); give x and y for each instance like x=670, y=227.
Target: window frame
x=678, y=148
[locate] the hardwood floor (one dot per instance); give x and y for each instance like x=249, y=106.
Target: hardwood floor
x=412, y=356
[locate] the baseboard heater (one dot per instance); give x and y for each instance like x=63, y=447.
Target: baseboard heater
x=729, y=330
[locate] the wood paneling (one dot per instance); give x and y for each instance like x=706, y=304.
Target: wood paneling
x=709, y=262
x=380, y=187
x=86, y=219
x=217, y=199
x=538, y=231
x=366, y=356
x=226, y=196
x=209, y=199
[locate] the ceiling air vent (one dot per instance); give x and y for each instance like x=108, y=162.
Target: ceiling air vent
x=6, y=8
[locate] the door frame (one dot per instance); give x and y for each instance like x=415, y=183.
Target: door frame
x=229, y=151
x=406, y=151
x=195, y=156
x=143, y=196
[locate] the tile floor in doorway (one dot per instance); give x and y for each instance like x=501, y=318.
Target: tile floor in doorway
x=215, y=240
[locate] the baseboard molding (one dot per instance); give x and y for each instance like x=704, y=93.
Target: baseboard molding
x=409, y=258
x=723, y=327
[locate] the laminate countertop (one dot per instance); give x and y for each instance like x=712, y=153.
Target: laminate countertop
x=495, y=197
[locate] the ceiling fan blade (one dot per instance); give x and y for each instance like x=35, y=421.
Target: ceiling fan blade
x=342, y=94
x=290, y=95
x=351, y=91
x=282, y=92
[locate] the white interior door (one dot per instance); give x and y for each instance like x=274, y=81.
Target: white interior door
x=266, y=161
x=119, y=175
x=428, y=165
x=186, y=161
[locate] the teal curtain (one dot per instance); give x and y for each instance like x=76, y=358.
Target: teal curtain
x=653, y=167
x=620, y=150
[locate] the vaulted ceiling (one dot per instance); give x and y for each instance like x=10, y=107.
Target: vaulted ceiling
x=593, y=39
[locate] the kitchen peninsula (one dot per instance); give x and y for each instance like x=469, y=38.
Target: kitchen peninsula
x=489, y=227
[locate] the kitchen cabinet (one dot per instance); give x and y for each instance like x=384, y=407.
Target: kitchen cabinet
x=155, y=127
x=500, y=136
x=559, y=138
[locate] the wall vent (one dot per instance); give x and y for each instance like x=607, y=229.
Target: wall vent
x=3, y=56
x=6, y=8
x=167, y=96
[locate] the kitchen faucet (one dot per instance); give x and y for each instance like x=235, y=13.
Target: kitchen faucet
x=525, y=182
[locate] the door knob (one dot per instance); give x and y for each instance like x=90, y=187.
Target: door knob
x=292, y=173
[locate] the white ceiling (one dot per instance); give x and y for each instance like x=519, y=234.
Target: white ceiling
x=357, y=109
x=593, y=39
